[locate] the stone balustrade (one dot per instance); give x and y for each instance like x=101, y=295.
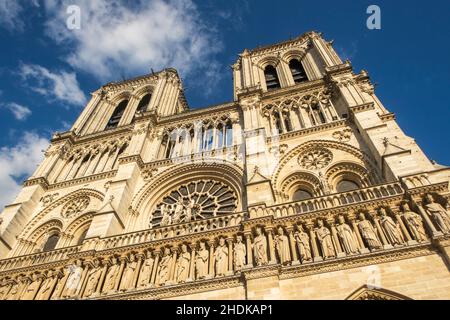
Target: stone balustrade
x=329, y=201
x=37, y=258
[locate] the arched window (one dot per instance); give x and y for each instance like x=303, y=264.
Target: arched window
x=346, y=185
x=82, y=237
x=297, y=70
x=287, y=122
x=301, y=194
x=117, y=115
x=51, y=243
x=318, y=117
x=272, y=81
x=143, y=104
x=228, y=134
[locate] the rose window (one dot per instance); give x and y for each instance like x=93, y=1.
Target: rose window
x=194, y=201
x=316, y=159
x=75, y=207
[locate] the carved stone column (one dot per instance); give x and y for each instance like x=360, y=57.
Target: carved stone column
x=83, y=279
x=119, y=274
x=248, y=240
x=406, y=235
x=294, y=255
x=362, y=247
x=312, y=238
x=141, y=258
x=272, y=257
x=172, y=276
x=211, y=258
x=337, y=243
x=155, y=267
x=101, y=279
x=430, y=226
x=386, y=244
x=193, y=248
x=230, y=256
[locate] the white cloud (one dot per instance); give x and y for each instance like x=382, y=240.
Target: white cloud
x=20, y=112
x=19, y=162
x=61, y=86
x=117, y=37
x=10, y=11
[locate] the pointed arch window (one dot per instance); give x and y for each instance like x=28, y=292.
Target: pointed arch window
x=117, y=115
x=143, y=104
x=51, y=243
x=82, y=237
x=346, y=185
x=272, y=81
x=301, y=194
x=297, y=70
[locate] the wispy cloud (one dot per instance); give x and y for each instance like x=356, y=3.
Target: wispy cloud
x=10, y=11
x=119, y=38
x=60, y=86
x=17, y=162
x=20, y=112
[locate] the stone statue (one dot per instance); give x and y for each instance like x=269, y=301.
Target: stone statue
x=164, y=267
x=73, y=282
x=47, y=286
x=178, y=212
x=260, y=248
x=368, y=233
x=32, y=288
x=93, y=276
x=111, y=276
x=129, y=273
x=304, y=246
x=414, y=223
x=346, y=236
x=4, y=289
x=282, y=247
x=165, y=214
x=14, y=291
x=221, y=258
x=183, y=262
x=189, y=209
x=201, y=261
x=326, y=243
x=391, y=229
x=59, y=285
x=438, y=214
x=239, y=253
x=146, y=271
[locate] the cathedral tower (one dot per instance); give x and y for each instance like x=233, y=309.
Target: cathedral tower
x=302, y=187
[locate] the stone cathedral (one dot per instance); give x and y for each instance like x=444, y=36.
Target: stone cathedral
x=302, y=187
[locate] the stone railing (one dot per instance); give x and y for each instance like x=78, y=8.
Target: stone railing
x=171, y=231
x=329, y=201
x=37, y=258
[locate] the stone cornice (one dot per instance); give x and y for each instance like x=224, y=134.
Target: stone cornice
x=91, y=178
x=362, y=107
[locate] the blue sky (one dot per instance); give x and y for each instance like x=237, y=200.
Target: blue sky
x=47, y=71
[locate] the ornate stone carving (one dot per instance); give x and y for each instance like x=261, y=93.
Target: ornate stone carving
x=326, y=243
x=221, y=258
x=93, y=277
x=304, y=247
x=282, y=247
x=346, y=236
x=111, y=276
x=391, y=229
x=73, y=282
x=75, y=207
x=260, y=248
x=239, y=253
x=195, y=201
x=343, y=135
x=368, y=233
x=183, y=263
x=201, y=262
x=146, y=271
x=438, y=214
x=164, y=267
x=316, y=159
x=414, y=222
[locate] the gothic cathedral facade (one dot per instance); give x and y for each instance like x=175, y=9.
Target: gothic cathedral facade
x=303, y=187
